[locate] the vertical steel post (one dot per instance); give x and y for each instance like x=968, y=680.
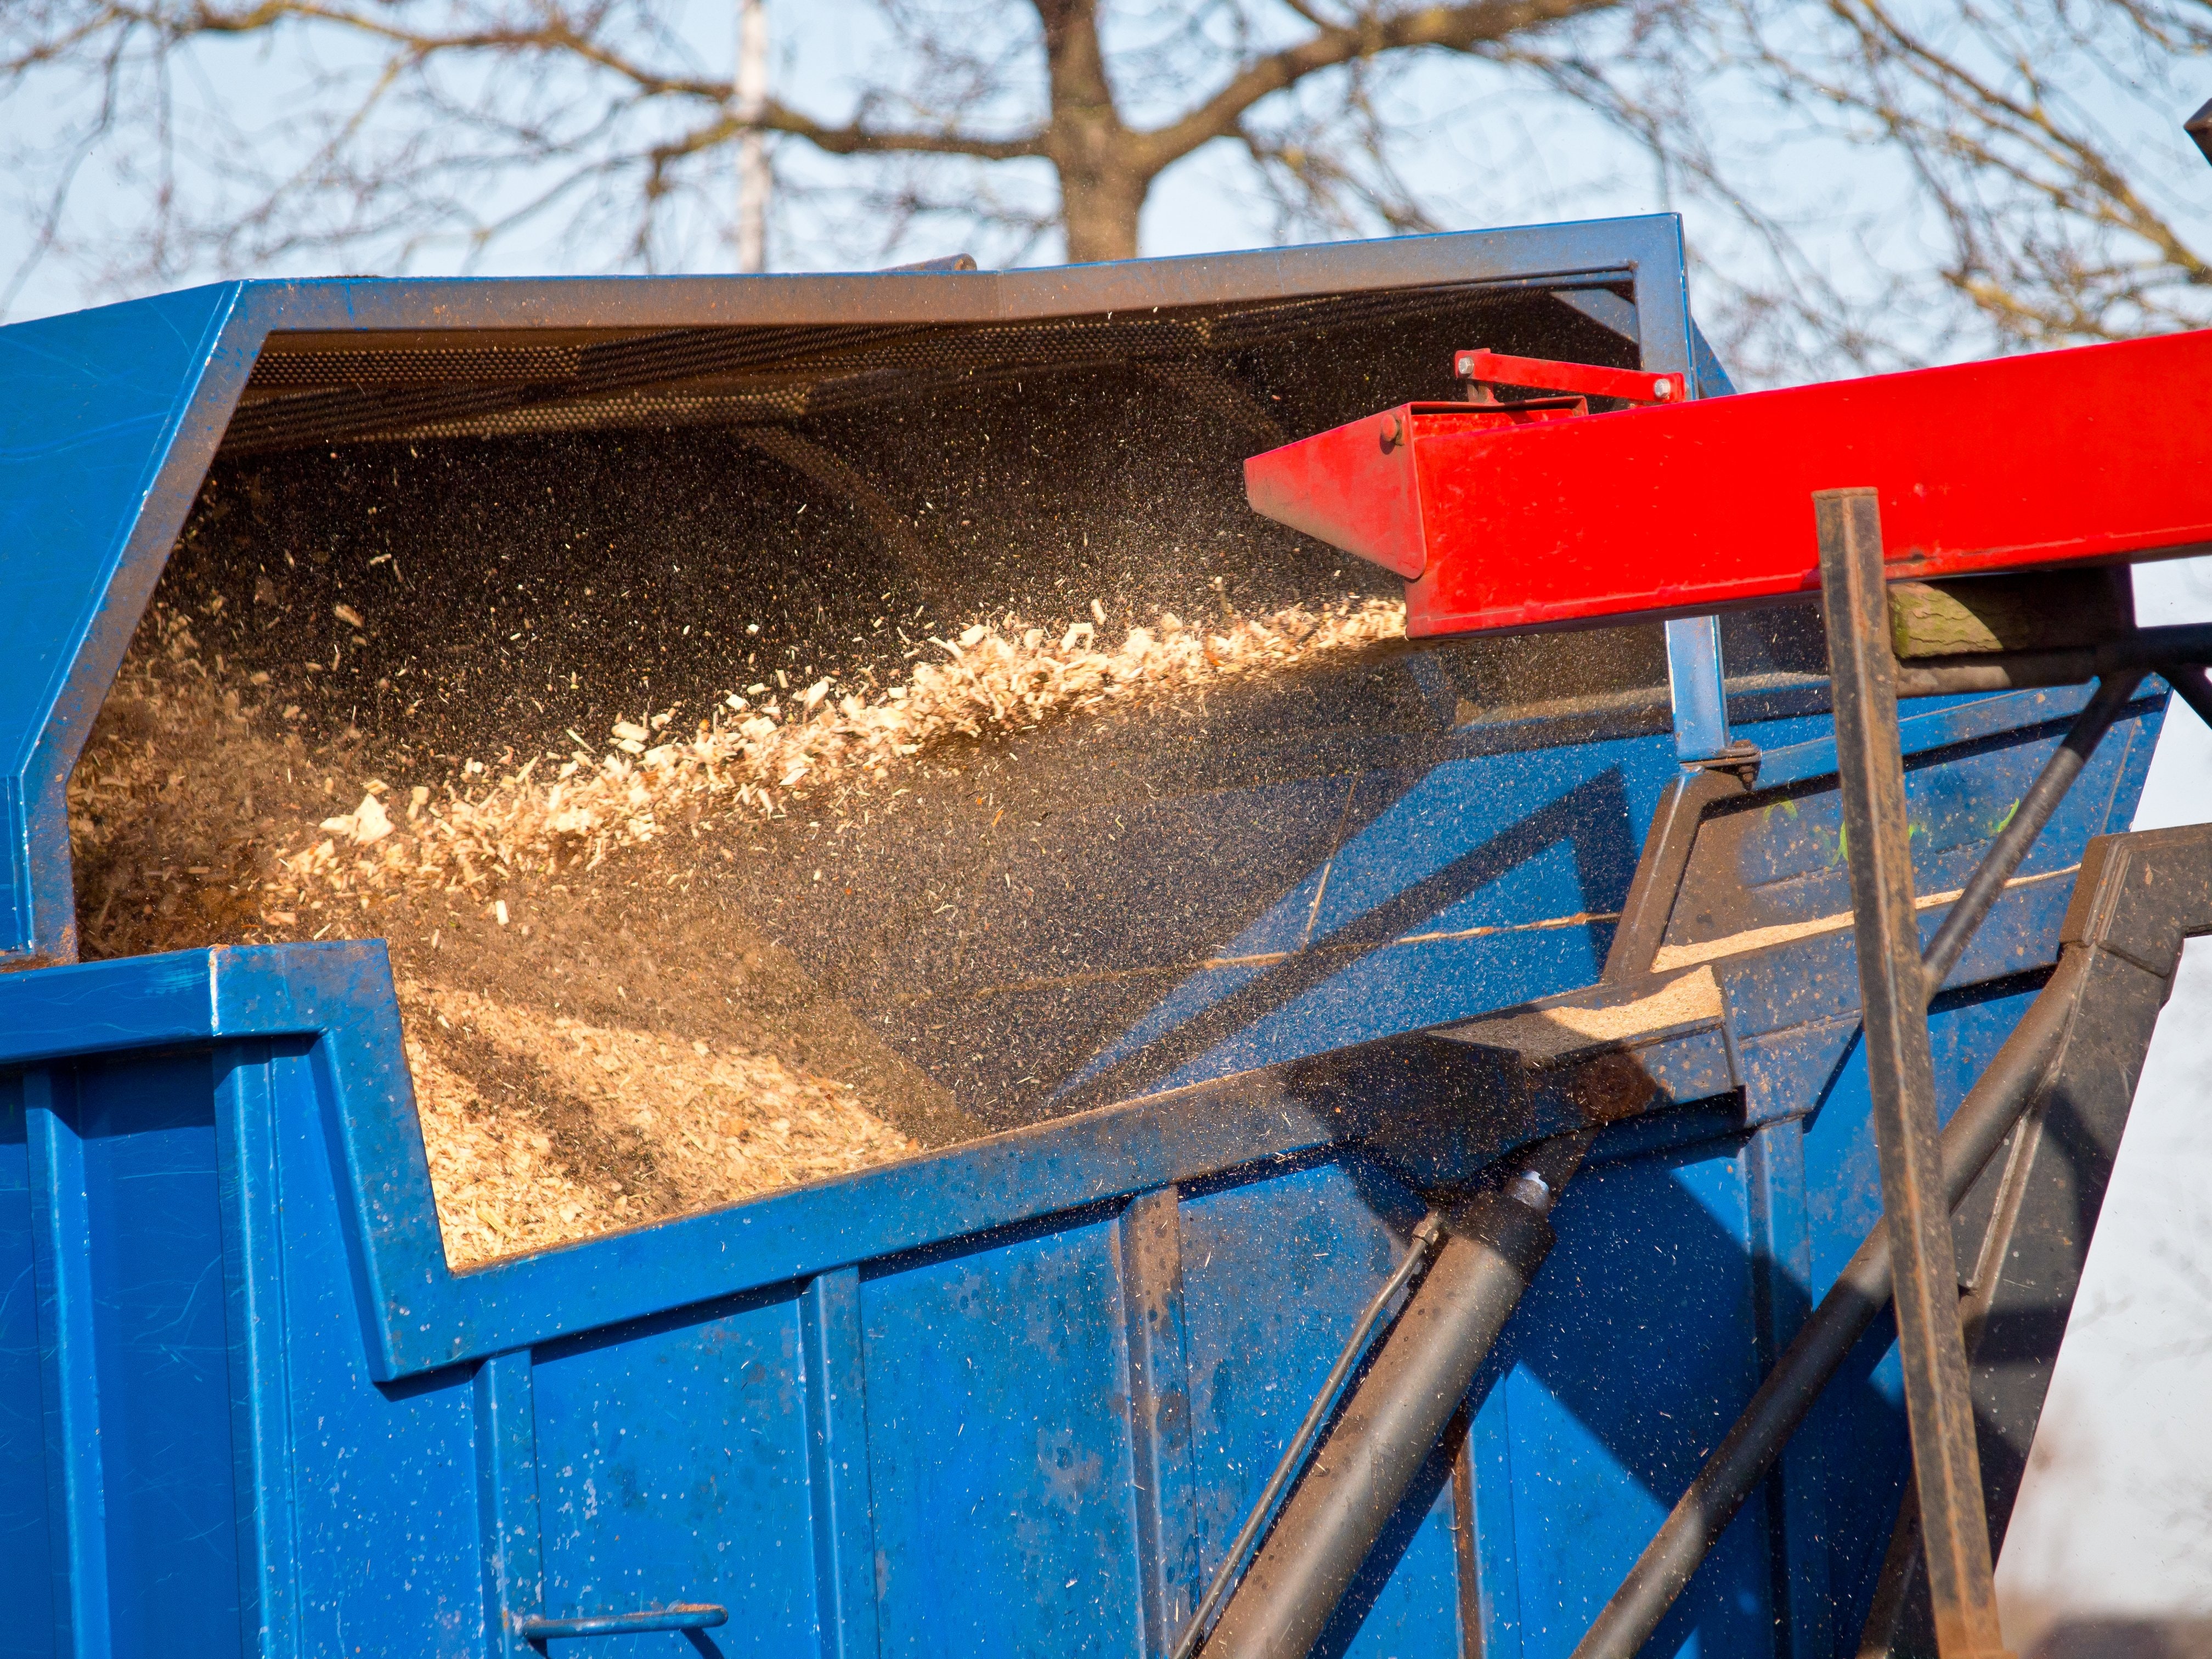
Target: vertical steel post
x=1695, y=683
x=1900, y=1074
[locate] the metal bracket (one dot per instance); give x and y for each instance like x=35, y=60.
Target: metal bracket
x=1484, y=370
x=1697, y=682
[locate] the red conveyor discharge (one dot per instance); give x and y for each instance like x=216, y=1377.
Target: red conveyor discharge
x=1539, y=513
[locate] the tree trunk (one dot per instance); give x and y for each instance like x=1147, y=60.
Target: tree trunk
x=1099, y=215
x=1100, y=193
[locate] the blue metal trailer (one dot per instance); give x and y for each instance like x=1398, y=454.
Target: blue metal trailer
x=1016, y=1395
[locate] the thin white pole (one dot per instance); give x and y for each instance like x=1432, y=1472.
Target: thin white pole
x=753, y=181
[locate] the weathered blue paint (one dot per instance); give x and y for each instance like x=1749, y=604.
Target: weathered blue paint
x=1010, y=1397
x=865, y=1436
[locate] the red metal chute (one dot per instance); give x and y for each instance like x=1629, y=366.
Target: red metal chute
x=1539, y=515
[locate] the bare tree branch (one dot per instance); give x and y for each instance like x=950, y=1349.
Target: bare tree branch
x=1452, y=28
x=407, y=132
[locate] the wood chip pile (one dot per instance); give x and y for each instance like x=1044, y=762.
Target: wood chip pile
x=999, y=680
x=719, y=1127
x=202, y=813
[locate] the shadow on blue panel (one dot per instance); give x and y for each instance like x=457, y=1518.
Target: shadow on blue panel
x=1592, y=819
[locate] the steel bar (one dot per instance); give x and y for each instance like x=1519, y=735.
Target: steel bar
x=1860, y=1293
x=1901, y=1075
x=1696, y=684
x=1392, y=1421
x=2008, y=671
x=1986, y=884
x=1418, y=1251
x=684, y=1615
x=1658, y=878
x=1900, y=1565
x=2191, y=686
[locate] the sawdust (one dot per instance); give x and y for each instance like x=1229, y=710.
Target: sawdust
x=203, y=813
x=1000, y=679
x=1671, y=957
x=704, y=1128
x=1549, y=1033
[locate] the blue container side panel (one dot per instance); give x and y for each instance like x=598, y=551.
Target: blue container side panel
x=26, y=1560
x=381, y=1488
x=1790, y=859
x=1497, y=878
x=1484, y=881
x=939, y=1447
x=15, y=867
x=95, y=402
x=999, y=1457
x=1625, y=1363
x=154, y=1236
x=673, y=1467
x=1277, y=1268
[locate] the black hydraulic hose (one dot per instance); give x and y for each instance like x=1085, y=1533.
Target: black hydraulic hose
x=1987, y=884
x=1427, y=1363
x=1419, y=1250
x=1861, y=1291
x=2006, y=670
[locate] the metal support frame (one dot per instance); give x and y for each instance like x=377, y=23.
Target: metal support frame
x=2190, y=684
x=1490, y=1246
x=1891, y=1609
x=1661, y=868
x=2033, y=811
x=2068, y=1070
x=1901, y=1073
x=2015, y=670
x=1748, y=1454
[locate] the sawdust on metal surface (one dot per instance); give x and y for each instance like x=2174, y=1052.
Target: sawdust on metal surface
x=1548, y=1033
x=1668, y=957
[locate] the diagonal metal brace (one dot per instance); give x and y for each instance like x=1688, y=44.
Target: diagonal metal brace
x=1987, y=884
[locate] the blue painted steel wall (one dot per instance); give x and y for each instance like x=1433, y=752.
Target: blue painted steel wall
x=90, y=505
x=1009, y=1397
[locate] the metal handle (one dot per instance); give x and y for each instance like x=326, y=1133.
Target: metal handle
x=684, y=1615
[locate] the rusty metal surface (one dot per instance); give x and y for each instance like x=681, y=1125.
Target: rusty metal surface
x=1893, y=993
x=2004, y=670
